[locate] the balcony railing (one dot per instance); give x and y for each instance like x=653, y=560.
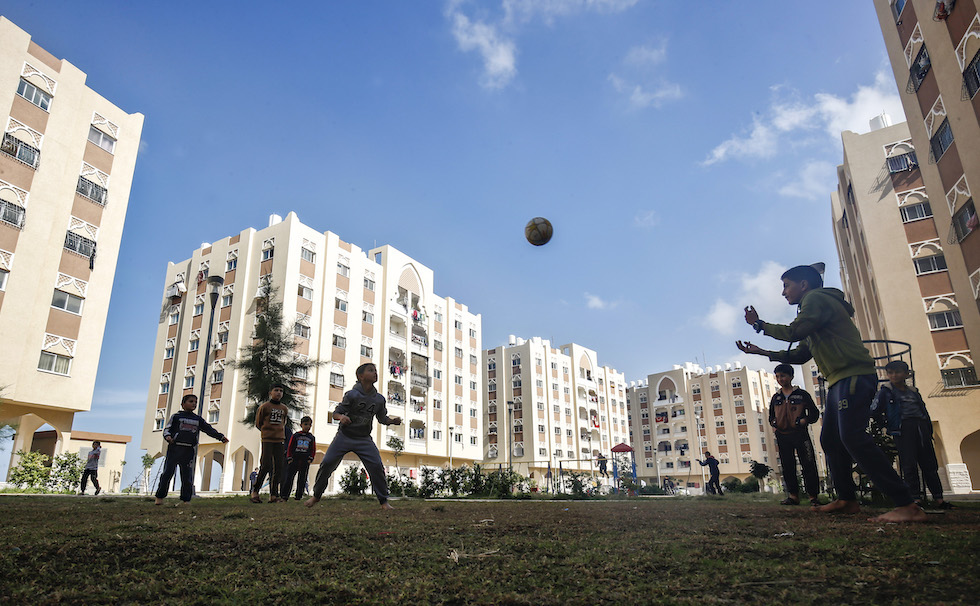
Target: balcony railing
x=79, y=244
x=12, y=214
x=17, y=149
x=898, y=164
x=95, y=193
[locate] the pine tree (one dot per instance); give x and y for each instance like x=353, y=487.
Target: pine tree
x=270, y=360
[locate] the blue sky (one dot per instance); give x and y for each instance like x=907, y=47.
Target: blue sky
x=685, y=153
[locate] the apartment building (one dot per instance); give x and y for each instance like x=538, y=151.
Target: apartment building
x=675, y=415
x=346, y=307
x=66, y=167
x=908, y=283
x=934, y=49
x=550, y=408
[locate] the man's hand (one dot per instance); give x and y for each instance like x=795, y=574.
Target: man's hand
x=751, y=315
x=169, y=439
x=224, y=440
x=342, y=419
x=396, y=420
x=289, y=460
x=749, y=348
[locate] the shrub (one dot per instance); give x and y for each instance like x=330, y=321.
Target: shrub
x=31, y=471
x=428, y=485
x=354, y=481
x=66, y=472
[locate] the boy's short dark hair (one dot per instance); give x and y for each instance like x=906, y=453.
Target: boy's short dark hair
x=306, y=419
x=785, y=369
x=96, y=443
x=281, y=386
x=363, y=367
x=187, y=397
x=801, y=273
x=897, y=365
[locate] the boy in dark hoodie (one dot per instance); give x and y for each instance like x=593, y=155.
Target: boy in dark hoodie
x=299, y=455
x=791, y=411
x=182, y=434
x=827, y=334
x=908, y=422
x=355, y=414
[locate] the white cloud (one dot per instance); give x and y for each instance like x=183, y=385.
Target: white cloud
x=646, y=219
x=762, y=290
x=642, y=86
x=646, y=55
x=526, y=10
x=816, y=180
x=826, y=112
x=596, y=302
x=499, y=54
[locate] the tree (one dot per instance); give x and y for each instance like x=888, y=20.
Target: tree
x=760, y=470
x=397, y=446
x=147, y=460
x=31, y=471
x=66, y=472
x=270, y=359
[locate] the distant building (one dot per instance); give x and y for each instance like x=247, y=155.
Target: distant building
x=345, y=307
x=66, y=167
x=730, y=405
x=551, y=408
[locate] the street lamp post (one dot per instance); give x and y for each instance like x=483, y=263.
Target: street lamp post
x=510, y=435
x=697, y=419
x=214, y=289
x=451, y=447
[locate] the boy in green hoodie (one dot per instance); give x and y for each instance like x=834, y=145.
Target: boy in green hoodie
x=827, y=334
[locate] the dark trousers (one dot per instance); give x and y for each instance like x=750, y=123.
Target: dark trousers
x=366, y=450
x=183, y=457
x=714, y=486
x=915, y=451
x=845, y=441
x=797, y=444
x=94, y=474
x=299, y=470
x=271, y=464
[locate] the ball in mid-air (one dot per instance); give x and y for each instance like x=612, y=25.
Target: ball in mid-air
x=538, y=231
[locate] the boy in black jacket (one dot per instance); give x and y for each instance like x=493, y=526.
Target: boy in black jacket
x=182, y=434
x=908, y=422
x=299, y=455
x=791, y=410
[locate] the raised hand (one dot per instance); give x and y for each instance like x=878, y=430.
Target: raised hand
x=749, y=348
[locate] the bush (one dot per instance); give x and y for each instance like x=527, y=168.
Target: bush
x=31, y=471
x=428, y=485
x=575, y=482
x=354, y=481
x=651, y=489
x=66, y=472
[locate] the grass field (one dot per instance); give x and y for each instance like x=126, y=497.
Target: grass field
x=735, y=549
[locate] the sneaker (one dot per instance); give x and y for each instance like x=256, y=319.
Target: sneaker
x=946, y=505
x=789, y=501
x=97, y=491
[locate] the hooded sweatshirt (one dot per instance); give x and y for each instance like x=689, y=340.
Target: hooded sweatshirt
x=362, y=407
x=827, y=334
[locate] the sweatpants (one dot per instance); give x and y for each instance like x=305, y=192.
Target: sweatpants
x=366, y=451
x=845, y=441
x=915, y=450
x=714, y=486
x=271, y=464
x=299, y=470
x=183, y=457
x=791, y=445
x=94, y=474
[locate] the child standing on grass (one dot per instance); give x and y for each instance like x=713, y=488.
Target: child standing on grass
x=827, y=334
x=908, y=422
x=299, y=455
x=355, y=414
x=270, y=419
x=182, y=434
x=92, y=467
x=791, y=412
x=714, y=486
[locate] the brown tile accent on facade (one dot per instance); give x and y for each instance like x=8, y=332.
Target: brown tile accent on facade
x=235, y=239
x=970, y=246
x=98, y=157
x=344, y=245
x=44, y=56
x=26, y=112
x=934, y=284
x=215, y=389
x=907, y=23
x=959, y=21
x=921, y=230
x=224, y=313
x=306, y=268
x=339, y=317
x=168, y=364
x=929, y=88
x=16, y=173
x=907, y=179
x=343, y=283
x=229, y=277
x=953, y=339
x=63, y=323
x=87, y=210
x=8, y=237
x=197, y=321
x=950, y=166
x=75, y=265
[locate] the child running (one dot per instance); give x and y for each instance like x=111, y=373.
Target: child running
x=355, y=414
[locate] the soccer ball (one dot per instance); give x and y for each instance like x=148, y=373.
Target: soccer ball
x=538, y=231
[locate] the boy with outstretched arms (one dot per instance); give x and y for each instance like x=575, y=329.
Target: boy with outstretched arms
x=355, y=414
x=299, y=455
x=714, y=486
x=92, y=467
x=791, y=412
x=182, y=434
x=270, y=419
x=827, y=334
x=908, y=422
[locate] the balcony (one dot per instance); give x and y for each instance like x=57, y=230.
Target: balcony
x=420, y=379
x=79, y=245
x=12, y=215
x=20, y=151
x=902, y=163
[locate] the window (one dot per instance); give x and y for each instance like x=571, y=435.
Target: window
x=168, y=353
x=716, y=405
x=516, y=381
x=268, y=253
x=300, y=373
x=188, y=382
x=231, y=264
x=95, y=193
x=436, y=434
x=301, y=330
x=307, y=255
x=459, y=408
x=305, y=292
x=437, y=345
x=226, y=300
x=340, y=305
x=458, y=380
x=218, y=376
x=941, y=140
x=67, y=302
x=964, y=220
x=198, y=309
x=213, y=414
x=369, y=284
x=366, y=351
x=557, y=431
x=79, y=244
x=173, y=318
x=33, y=94
x=473, y=413
x=473, y=360
x=343, y=270
x=914, y=212
x=720, y=423
x=918, y=70
x=900, y=163
x=438, y=316
x=472, y=384
x=436, y=373
x=27, y=154
x=336, y=379
x=101, y=139
x=945, y=319
x=12, y=214
x=458, y=324
x=165, y=387
x=741, y=421
x=458, y=438
x=960, y=377
x=459, y=353
x=927, y=265
x=437, y=404
x=367, y=317
x=193, y=345
x=472, y=333
x=339, y=341
x=897, y=7
x=971, y=76
x=472, y=440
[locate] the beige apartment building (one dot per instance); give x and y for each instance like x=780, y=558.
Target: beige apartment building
x=675, y=415
x=66, y=167
x=910, y=286
x=346, y=307
x=551, y=408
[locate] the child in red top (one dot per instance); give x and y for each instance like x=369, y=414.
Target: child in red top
x=299, y=455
